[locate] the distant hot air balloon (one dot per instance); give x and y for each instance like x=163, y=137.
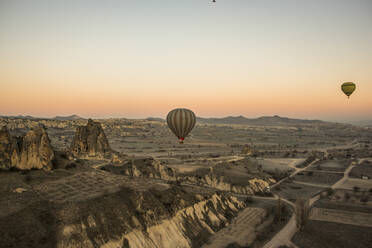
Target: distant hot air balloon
x=181, y=121
x=348, y=88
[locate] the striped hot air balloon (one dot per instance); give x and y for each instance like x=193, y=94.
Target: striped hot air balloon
x=181, y=121
x=348, y=88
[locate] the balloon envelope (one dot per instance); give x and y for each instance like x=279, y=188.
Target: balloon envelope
x=181, y=121
x=348, y=88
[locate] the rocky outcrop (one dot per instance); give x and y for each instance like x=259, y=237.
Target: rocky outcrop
x=190, y=227
x=252, y=186
x=148, y=167
x=90, y=142
x=140, y=226
x=6, y=148
x=32, y=151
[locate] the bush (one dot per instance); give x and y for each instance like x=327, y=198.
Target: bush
x=347, y=196
x=330, y=192
x=364, y=199
x=28, y=178
x=356, y=189
x=70, y=166
x=249, y=200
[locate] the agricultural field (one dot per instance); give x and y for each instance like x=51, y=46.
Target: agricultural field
x=342, y=216
x=279, y=164
x=357, y=200
x=362, y=170
x=351, y=183
x=331, y=165
x=318, y=177
x=292, y=190
x=333, y=235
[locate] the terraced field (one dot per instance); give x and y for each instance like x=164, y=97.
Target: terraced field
x=350, y=183
x=90, y=184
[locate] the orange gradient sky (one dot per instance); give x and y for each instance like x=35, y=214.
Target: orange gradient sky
x=142, y=58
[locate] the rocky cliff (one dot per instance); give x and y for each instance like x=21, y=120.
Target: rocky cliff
x=243, y=177
x=90, y=142
x=31, y=151
x=173, y=219
x=250, y=187
x=247, y=182
x=132, y=217
x=144, y=168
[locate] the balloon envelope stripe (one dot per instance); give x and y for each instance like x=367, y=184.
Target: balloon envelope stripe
x=348, y=88
x=181, y=122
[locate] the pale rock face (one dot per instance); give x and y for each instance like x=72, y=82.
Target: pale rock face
x=252, y=186
x=36, y=151
x=185, y=229
x=205, y=217
x=90, y=141
x=32, y=151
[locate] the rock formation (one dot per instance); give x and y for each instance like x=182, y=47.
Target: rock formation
x=149, y=219
x=146, y=167
x=32, y=151
x=6, y=148
x=90, y=142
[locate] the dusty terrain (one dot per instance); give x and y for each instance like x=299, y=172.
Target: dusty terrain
x=135, y=186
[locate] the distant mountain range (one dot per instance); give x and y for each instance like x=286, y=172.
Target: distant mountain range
x=154, y=119
x=240, y=120
x=60, y=118
x=265, y=120
x=68, y=118
x=361, y=123
x=20, y=117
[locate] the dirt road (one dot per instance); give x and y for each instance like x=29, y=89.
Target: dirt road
x=284, y=236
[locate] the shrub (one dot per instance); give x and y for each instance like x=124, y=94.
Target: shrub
x=28, y=178
x=347, y=196
x=330, y=192
x=356, y=189
x=70, y=166
x=364, y=199
x=249, y=200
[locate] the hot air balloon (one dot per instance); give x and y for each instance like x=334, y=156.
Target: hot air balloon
x=348, y=88
x=181, y=121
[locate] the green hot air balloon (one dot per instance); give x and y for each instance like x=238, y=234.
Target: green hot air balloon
x=348, y=88
x=181, y=121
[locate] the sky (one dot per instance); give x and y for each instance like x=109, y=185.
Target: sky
x=143, y=58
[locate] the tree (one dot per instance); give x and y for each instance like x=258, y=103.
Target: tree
x=302, y=212
x=279, y=210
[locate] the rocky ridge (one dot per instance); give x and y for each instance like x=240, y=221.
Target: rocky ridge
x=146, y=167
x=184, y=226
